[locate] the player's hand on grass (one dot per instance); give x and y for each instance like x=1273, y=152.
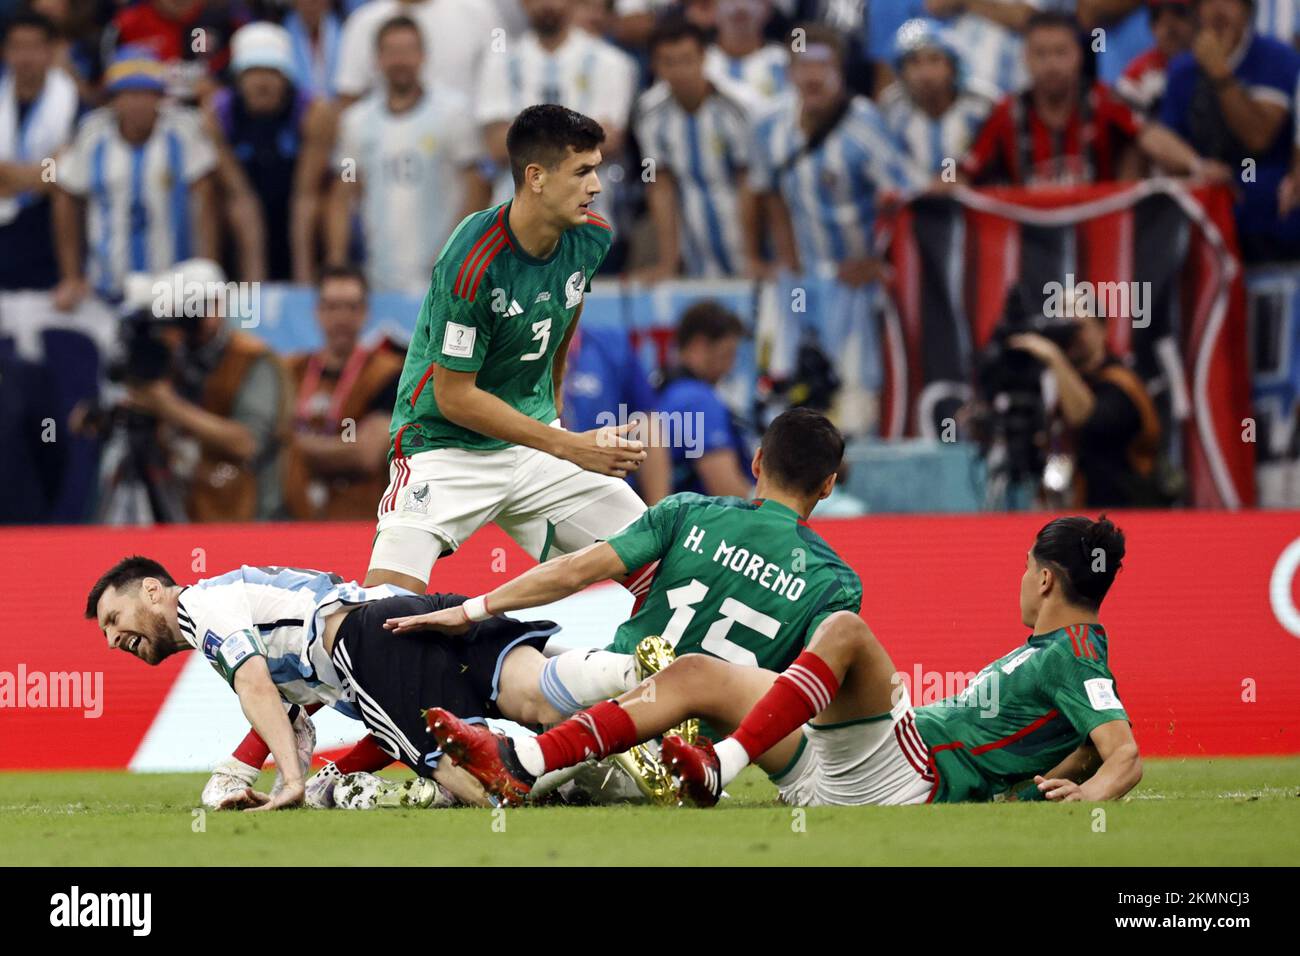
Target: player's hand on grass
x=450, y=620
x=606, y=451
x=1061, y=791
x=290, y=795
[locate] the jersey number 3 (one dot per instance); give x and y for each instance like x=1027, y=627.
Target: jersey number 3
x=541, y=335
x=682, y=601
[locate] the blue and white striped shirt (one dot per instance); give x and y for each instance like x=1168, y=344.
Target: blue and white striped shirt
x=277, y=613
x=765, y=73
x=139, y=196
x=929, y=141
x=831, y=190
x=706, y=152
x=1279, y=19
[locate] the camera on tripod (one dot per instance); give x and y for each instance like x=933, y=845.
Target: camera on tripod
x=1009, y=419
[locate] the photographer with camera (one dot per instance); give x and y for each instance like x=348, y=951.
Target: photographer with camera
x=1107, y=414
x=196, y=430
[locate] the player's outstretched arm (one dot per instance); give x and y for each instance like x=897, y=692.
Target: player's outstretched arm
x=261, y=703
x=603, y=450
x=1120, y=770
x=541, y=584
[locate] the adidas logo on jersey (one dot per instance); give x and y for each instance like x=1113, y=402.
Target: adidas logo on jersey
x=515, y=308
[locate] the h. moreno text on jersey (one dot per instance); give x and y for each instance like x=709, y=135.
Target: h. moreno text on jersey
x=751, y=564
x=74, y=690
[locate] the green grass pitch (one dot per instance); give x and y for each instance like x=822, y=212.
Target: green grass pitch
x=1186, y=812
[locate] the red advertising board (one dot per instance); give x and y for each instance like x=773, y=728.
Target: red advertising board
x=1203, y=618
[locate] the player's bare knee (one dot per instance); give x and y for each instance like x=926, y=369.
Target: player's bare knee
x=841, y=638
x=689, y=671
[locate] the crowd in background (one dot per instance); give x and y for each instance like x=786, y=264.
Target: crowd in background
x=338, y=143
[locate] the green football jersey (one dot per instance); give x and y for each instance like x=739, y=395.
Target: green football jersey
x=1022, y=714
x=493, y=309
x=746, y=581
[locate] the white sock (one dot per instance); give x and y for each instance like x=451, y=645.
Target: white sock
x=731, y=759
x=530, y=755
x=577, y=679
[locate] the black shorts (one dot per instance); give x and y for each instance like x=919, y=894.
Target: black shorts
x=393, y=677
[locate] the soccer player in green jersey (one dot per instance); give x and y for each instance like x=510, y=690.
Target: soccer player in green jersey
x=475, y=431
x=836, y=727
x=743, y=581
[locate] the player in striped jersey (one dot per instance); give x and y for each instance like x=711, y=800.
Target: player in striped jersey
x=290, y=637
x=837, y=728
x=414, y=151
x=933, y=115
x=145, y=170
x=696, y=131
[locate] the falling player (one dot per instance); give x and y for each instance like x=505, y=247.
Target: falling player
x=836, y=727
x=288, y=636
x=475, y=432
x=744, y=581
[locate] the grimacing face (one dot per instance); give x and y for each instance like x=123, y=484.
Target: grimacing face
x=568, y=189
x=132, y=620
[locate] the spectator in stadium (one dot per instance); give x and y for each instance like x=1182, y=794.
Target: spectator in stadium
x=934, y=117
x=457, y=36
x=1061, y=130
x=1142, y=85
x=222, y=410
x=741, y=52
x=699, y=444
x=820, y=163
x=696, y=132
x=192, y=37
x=146, y=172
x=1231, y=97
x=634, y=19
x=77, y=47
x=314, y=32
x=407, y=156
x=985, y=34
x=257, y=125
x=1108, y=414
x=554, y=62
x=336, y=462
x=38, y=115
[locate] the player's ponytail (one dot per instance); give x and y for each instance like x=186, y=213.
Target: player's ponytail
x=1085, y=554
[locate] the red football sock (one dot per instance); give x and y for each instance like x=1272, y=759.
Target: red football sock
x=252, y=750
x=365, y=756
x=598, y=731
x=803, y=690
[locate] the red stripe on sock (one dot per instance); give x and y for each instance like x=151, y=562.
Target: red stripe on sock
x=597, y=732
x=788, y=705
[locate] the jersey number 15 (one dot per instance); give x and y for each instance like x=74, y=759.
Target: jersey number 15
x=682, y=601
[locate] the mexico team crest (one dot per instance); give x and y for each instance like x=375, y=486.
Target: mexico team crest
x=573, y=290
